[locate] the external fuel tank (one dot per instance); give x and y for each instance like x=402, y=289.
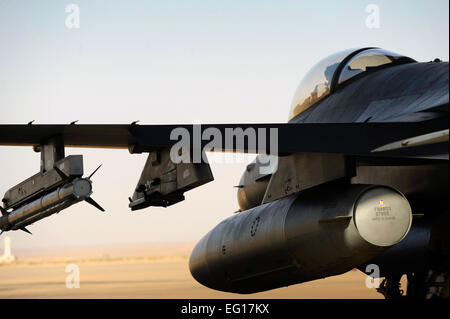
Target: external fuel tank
x=319, y=232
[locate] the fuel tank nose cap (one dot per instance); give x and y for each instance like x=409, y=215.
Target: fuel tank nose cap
x=382, y=216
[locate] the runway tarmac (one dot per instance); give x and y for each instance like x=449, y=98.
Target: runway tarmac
x=153, y=278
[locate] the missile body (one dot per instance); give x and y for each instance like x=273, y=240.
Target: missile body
x=78, y=190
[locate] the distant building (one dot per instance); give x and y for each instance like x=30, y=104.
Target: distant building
x=7, y=257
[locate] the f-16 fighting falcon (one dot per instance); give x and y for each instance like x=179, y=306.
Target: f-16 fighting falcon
x=360, y=178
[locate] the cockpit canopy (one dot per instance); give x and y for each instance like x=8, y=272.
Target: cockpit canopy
x=328, y=74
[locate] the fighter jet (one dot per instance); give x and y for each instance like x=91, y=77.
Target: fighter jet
x=360, y=179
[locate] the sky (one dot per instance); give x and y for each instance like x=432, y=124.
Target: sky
x=174, y=62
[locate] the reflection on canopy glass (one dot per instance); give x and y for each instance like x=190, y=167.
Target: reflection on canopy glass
x=317, y=83
x=368, y=59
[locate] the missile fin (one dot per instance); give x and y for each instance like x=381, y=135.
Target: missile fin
x=94, y=203
x=26, y=230
x=94, y=171
x=335, y=219
x=60, y=173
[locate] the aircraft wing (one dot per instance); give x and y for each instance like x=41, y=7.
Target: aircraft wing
x=365, y=139
x=163, y=182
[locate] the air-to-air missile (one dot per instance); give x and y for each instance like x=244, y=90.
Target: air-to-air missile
x=45, y=194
